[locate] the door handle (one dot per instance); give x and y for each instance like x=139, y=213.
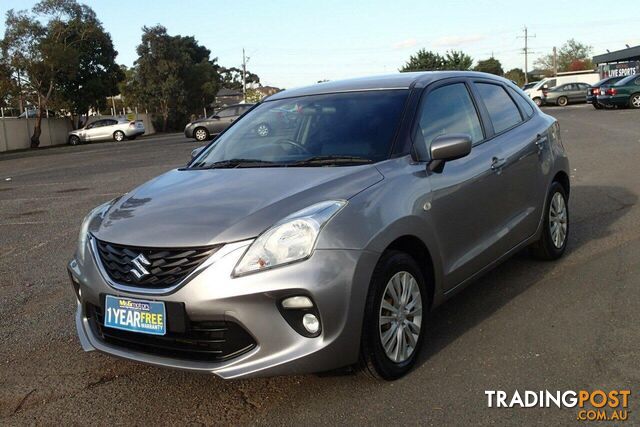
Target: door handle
x=497, y=163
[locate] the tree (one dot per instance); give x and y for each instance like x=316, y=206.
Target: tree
x=424, y=60
x=516, y=75
x=491, y=66
x=57, y=53
x=458, y=60
x=572, y=56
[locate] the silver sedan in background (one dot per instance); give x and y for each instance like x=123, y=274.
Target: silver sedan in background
x=116, y=129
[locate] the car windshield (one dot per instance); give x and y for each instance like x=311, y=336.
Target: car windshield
x=337, y=129
x=627, y=80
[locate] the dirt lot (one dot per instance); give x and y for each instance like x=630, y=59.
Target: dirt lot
x=528, y=325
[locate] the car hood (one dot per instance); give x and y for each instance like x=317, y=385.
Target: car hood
x=190, y=208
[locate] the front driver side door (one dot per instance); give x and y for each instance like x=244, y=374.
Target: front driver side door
x=464, y=194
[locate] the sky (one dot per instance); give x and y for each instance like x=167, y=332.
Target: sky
x=298, y=42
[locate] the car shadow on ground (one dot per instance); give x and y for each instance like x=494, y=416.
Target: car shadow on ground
x=606, y=205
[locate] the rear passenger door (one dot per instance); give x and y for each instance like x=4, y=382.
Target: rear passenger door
x=521, y=139
x=107, y=129
x=225, y=117
x=463, y=209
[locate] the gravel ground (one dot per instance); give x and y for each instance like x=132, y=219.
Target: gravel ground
x=566, y=325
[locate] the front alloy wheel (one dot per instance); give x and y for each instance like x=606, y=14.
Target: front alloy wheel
x=400, y=317
x=393, y=326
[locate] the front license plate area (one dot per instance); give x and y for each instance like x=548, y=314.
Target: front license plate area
x=134, y=315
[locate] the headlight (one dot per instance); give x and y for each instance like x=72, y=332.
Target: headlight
x=84, y=229
x=290, y=240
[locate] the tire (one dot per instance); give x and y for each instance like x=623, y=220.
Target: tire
x=634, y=101
x=118, y=136
x=375, y=361
x=547, y=247
x=263, y=130
x=74, y=140
x=201, y=134
x=562, y=101
x=597, y=106
x=538, y=101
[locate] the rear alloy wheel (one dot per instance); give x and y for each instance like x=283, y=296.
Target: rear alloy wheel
x=562, y=101
x=555, y=234
x=394, y=322
x=201, y=134
x=634, y=100
x=538, y=101
x=74, y=140
x=597, y=106
x=263, y=129
x=118, y=136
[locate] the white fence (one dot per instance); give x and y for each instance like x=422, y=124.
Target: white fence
x=15, y=134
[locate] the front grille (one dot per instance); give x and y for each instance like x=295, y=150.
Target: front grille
x=166, y=267
x=208, y=341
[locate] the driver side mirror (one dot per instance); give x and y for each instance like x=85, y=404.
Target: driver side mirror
x=449, y=147
x=196, y=152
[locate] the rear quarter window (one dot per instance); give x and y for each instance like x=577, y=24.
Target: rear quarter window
x=524, y=105
x=502, y=110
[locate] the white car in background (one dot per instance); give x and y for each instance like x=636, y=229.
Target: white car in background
x=116, y=129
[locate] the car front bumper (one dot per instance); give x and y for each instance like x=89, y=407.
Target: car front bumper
x=336, y=280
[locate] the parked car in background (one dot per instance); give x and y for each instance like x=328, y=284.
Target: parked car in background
x=594, y=90
x=624, y=93
x=536, y=92
x=116, y=129
x=204, y=129
x=327, y=248
x=565, y=94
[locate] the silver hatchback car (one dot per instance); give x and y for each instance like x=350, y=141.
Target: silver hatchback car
x=114, y=129
x=325, y=244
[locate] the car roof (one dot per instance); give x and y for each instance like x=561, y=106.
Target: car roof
x=380, y=82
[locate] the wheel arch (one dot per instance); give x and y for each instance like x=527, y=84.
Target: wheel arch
x=419, y=251
x=563, y=179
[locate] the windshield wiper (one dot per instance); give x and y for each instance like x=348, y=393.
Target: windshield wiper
x=331, y=160
x=238, y=163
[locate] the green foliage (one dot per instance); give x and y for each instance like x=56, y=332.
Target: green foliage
x=425, y=60
x=491, y=65
x=572, y=56
x=58, y=54
x=516, y=75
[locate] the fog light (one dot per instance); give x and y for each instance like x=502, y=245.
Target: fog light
x=297, y=302
x=311, y=323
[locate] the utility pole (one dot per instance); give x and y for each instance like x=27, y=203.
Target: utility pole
x=555, y=62
x=526, y=53
x=244, y=76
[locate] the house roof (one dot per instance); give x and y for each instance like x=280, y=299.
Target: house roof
x=228, y=92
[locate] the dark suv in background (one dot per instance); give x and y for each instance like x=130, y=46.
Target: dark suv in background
x=204, y=129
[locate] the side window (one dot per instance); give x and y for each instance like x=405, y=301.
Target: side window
x=502, y=110
x=111, y=122
x=97, y=124
x=638, y=81
x=551, y=83
x=522, y=103
x=227, y=112
x=448, y=109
